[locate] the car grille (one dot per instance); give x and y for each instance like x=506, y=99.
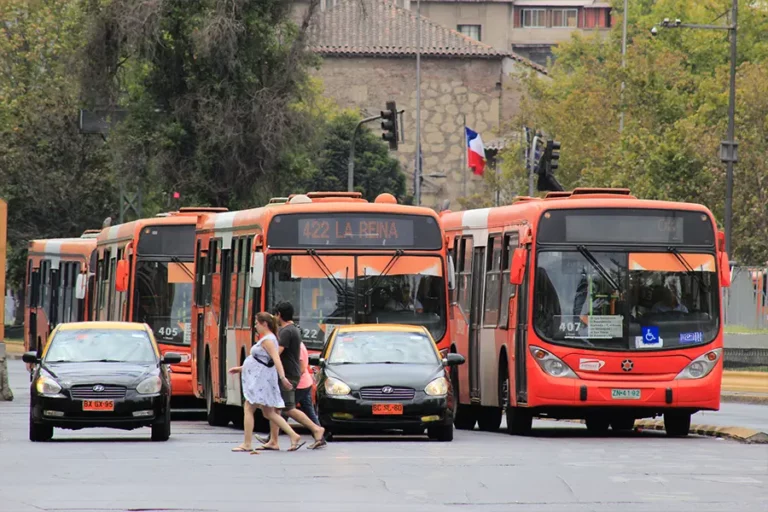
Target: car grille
x=396, y=394
x=87, y=393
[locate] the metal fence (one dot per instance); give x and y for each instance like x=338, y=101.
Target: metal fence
x=745, y=309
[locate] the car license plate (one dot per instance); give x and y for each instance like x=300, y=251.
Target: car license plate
x=384, y=409
x=98, y=405
x=625, y=394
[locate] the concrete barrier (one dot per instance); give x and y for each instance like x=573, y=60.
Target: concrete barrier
x=5, y=389
x=744, y=435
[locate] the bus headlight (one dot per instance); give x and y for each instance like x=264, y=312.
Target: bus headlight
x=335, y=387
x=551, y=364
x=701, y=366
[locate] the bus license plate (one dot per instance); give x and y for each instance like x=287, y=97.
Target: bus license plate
x=98, y=405
x=384, y=409
x=625, y=394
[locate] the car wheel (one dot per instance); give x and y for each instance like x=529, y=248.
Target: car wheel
x=39, y=432
x=677, y=424
x=442, y=433
x=161, y=430
x=216, y=413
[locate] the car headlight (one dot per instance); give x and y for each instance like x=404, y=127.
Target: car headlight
x=438, y=387
x=701, y=366
x=46, y=386
x=336, y=387
x=551, y=364
x=150, y=386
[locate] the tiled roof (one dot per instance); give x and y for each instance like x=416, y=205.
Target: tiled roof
x=378, y=28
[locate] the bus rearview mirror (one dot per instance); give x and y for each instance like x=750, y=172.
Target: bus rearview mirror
x=80, y=285
x=725, y=270
x=517, y=267
x=121, y=276
x=256, y=275
x=451, y=273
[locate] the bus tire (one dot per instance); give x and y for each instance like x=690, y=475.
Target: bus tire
x=623, y=423
x=519, y=421
x=215, y=413
x=598, y=425
x=464, y=415
x=490, y=417
x=677, y=424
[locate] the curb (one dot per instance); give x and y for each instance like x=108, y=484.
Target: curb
x=744, y=435
x=744, y=398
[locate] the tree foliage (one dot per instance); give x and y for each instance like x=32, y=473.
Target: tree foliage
x=675, y=112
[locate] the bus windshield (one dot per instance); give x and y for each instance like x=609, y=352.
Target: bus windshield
x=335, y=290
x=626, y=301
x=163, y=299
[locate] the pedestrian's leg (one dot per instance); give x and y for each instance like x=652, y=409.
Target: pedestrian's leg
x=247, y=429
x=317, y=431
x=304, y=398
x=274, y=416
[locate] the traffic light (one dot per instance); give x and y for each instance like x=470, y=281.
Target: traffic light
x=547, y=163
x=389, y=125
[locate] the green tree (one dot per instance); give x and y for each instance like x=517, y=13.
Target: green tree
x=376, y=171
x=55, y=179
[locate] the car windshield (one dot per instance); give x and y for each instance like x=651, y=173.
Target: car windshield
x=164, y=299
x=325, y=292
x=626, y=301
x=103, y=345
x=372, y=347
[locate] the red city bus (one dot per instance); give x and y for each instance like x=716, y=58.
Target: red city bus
x=590, y=304
x=336, y=257
x=58, y=285
x=145, y=273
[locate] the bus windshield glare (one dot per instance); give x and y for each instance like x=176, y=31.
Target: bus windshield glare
x=163, y=300
x=335, y=290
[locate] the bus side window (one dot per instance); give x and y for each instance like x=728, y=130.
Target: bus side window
x=508, y=291
x=465, y=285
x=492, y=282
x=251, y=296
x=455, y=255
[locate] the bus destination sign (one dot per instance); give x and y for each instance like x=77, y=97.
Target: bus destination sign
x=359, y=231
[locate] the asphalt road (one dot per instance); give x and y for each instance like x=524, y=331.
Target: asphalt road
x=559, y=469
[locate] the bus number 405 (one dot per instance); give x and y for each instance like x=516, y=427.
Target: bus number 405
x=168, y=331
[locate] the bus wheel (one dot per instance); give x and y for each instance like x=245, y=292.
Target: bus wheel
x=464, y=417
x=490, y=417
x=519, y=421
x=216, y=413
x=597, y=425
x=677, y=424
x=623, y=423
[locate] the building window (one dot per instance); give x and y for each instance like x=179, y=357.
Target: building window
x=565, y=18
x=472, y=31
x=534, y=18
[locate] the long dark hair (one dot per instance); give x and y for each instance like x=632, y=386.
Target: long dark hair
x=268, y=319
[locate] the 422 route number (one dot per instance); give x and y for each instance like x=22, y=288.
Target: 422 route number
x=310, y=334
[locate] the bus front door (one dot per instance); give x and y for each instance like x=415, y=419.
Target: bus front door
x=475, y=317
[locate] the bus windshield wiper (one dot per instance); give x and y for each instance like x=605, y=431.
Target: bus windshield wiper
x=180, y=263
x=389, y=266
x=597, y=266
x=340, y=289
x=688, y=268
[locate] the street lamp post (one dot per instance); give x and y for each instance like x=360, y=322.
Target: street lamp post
x=417, y=174
x=729, y=147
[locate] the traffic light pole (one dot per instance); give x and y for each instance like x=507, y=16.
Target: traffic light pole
x=351, y=163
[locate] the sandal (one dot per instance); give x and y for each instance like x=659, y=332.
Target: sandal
x=295, y=447
x=265, y=448
x=242, y=449
x=317, y=444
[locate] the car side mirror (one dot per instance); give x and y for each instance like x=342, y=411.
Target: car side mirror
x=316, y=360
x=30, y=357
x=454, y=359
x=171, y=358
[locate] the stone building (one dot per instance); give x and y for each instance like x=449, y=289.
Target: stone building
x=368, y=49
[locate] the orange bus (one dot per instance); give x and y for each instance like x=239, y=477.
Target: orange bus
x=590, y=304
x=58, y=285
x=336, y=257
x=145, y=273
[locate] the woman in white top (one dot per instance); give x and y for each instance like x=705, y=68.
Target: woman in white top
x=261, y=373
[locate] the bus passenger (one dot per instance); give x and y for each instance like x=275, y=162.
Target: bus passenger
x=260, y=374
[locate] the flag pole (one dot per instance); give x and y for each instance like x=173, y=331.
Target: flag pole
x=466, y=156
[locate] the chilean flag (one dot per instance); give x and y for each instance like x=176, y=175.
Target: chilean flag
x=475, y=152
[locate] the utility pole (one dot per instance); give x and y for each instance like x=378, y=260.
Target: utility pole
x=532, y=164
x=417, y=173
x=728, y=148
x=623, y=60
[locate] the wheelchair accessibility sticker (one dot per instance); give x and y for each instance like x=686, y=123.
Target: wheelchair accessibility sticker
x=649, y=338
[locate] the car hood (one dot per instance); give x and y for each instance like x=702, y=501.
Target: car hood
x=358, y=376
x=119, y=374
